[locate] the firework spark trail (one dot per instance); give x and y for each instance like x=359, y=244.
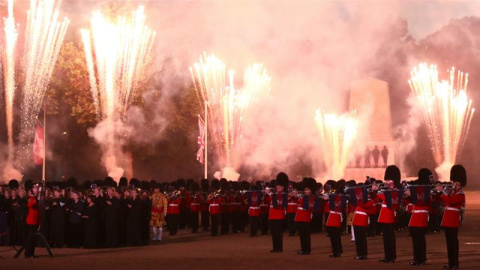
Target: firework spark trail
x=9, y=49
x=117, y=57
x=44, y=37
x=446, y=110
x=228, y=107
x=337, y=134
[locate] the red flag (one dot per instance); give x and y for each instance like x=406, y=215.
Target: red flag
x=38, y=145
x=201, y=140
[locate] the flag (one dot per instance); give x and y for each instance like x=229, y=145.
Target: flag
x=38, y=145
x=201, y=140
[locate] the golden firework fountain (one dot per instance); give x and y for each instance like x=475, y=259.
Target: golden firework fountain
x=337, y=134
x=447, y=112
x=117, y=54
x=226, y=106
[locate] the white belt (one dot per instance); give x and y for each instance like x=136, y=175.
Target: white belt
x=254, y=207
x=300, y=208
x=173, y=204
x=361, y=213
x=420, y=211
x=384, y=205
x=333, y=212
x=452, y=209
x=214, y=204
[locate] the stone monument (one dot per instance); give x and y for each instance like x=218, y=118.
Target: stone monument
x=376, y=146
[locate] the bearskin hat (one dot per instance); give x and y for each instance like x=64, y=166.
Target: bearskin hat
x=458, y=174
x=423, y=176
x=392, y=173
x=281, y=180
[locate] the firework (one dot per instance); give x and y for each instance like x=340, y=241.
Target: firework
x=446, y=110
x=337, y=134
x=117, y=54
x=44, y=36
x=9, y=48
x=227, y=107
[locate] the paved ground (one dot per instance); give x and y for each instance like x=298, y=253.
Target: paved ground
x=199, y=251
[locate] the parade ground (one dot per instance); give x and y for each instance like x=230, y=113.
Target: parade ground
x=239, y=251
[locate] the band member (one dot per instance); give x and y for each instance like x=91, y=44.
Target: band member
x=214, y=200
x=276, y=216
x=391, y=199
x=336, y=202
x=421, y=200
x=32, y=222
x=204, y=205
x=173, y=212
x=359, y=197
x=254, y=199
x=454, y=201
x=303, y=217
x=291, y=210
x=194, y=204
x=264, y=209
x=159, y=210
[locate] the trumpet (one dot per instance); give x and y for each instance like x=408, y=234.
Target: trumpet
x=447, y=187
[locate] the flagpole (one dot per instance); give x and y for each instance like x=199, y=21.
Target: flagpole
x=206, y=141
x=44, y=141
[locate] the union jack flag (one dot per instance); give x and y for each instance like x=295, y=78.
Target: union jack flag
x=201, y=140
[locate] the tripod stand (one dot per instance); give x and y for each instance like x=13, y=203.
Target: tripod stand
x=38, y=234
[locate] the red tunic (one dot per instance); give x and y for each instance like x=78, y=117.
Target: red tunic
x=335, y=217
x=173, y=207
x=203, y=203
x=361, y=214
x=214, y=207
x=254, y=209
x=419, y=216
x=292, y=205
x=304, y=215
x=32, y=217
x=387, y=215
x=453, y=204
x=195, y=204
x=264, y=206
x=277, y=212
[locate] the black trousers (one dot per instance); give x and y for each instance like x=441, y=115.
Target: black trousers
x=236, y=218
x=172, y=223
x=335, y=234
x=264, y=223
x=305, y=240
x=451, y=234
x=276, y=227
x=389, y=244
x=317, y=222
x=291, y=226
x=225, y=223
x=361, y=240
x=254, y=221
x=419, y=244
x=205, y=220
x=31, y=240
x=194, y=221
x=215, y=221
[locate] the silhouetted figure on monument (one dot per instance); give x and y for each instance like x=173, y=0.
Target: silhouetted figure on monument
x=376, y=155
x=385, y=155
x=367, y=158
x=358, y=160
